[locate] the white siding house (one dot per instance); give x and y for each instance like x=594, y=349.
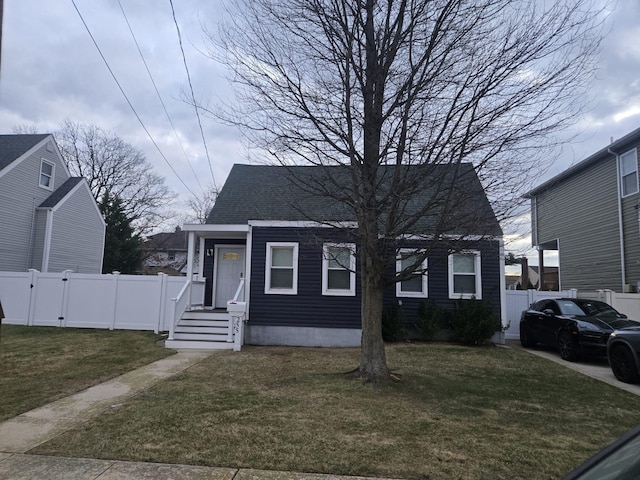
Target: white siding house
x=49, y=220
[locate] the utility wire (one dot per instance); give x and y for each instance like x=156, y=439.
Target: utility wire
x=193, y=97
x=160, y=97
x=128, y=101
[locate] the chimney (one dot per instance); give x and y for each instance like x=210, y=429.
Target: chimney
x=524, y=275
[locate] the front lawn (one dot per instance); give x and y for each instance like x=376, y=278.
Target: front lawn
x=41, y=364
x=467, y=413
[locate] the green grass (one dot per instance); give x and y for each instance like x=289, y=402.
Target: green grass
x=41, y=364
x=467, y=413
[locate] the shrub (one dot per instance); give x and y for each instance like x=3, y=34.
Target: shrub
x=431, y=319
x=392, y=325
x=474, y=322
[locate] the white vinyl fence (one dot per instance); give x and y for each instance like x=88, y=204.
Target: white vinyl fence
x=519, y=300
x=112, y=301
x=627, y=303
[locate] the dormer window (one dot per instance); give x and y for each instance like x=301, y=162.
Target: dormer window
x=46, y=174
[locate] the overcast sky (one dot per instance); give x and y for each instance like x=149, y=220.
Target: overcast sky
x=52, y=71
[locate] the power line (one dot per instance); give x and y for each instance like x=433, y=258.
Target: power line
x=128, y=101
x=193, y=97
x=160, y=97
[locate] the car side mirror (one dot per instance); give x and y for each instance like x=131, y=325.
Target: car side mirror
x=548, y=312
x=622, y=315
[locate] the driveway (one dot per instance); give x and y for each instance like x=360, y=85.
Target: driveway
x=595, y=367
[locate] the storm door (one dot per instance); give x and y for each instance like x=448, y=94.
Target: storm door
x=229, y=269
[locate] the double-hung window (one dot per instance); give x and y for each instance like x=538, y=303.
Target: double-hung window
x=46, y=174
x=465, y=280
x=338, y=269
x=417, y=284
x=628, y=173
x=281, y=269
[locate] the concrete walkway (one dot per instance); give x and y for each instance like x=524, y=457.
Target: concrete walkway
x=24, y=432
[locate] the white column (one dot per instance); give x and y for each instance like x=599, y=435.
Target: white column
x=190, y=255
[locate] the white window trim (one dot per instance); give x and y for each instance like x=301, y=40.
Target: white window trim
x=267, y=271
x=351, y=291
x=635, y=173
x=425, y=278
x=53, y=174
x=478, y=276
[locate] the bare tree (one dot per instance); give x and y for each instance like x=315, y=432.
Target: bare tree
x=379, y=85
x=111, y=164
x=201, y=206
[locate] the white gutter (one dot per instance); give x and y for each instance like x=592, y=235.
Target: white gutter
x=620, y=226
x=47, y=241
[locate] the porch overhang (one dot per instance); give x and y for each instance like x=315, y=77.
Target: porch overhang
x=217, y=231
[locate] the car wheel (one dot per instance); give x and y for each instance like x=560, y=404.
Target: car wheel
x=623, y=364
x=567, y=347
x=526, y=339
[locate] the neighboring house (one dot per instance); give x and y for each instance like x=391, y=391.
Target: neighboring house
x=531, y=280
x=590, y=215
x=49, y=220
x=165, y=252
x=284, y=243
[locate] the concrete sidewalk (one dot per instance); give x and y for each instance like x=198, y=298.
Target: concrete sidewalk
x=35, y=467
x=24, y=432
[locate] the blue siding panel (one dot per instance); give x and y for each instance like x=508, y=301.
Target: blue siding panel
x=309, y=308
x=438, y=278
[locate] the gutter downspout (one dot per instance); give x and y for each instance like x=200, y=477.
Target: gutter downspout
x=31, y=233
x=620, y=226
x=47, y=241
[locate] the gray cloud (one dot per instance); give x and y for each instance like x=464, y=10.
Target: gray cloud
x=52, y=71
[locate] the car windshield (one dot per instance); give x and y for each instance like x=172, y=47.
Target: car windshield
x=567, y=307
x=587, y=308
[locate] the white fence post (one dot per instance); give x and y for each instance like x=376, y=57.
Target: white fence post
x=33, y=290
x=114, y=304
x=64, y=304
x=163, y=293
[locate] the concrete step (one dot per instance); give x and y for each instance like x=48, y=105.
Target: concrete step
x=207, y=337
x=199, y=345
x=180, y=328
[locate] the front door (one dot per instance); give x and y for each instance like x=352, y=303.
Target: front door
x=229, y=269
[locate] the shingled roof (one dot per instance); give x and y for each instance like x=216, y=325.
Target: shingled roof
x=13, y=146
x=167, y=241
x=277, y=193
x=53, y=199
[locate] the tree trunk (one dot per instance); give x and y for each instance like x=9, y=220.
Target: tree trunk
x=373, y=360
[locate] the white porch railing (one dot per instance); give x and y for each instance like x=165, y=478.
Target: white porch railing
x=184, y=301
x=237, y=316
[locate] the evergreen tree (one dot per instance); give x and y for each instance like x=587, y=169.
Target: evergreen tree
x=122, y=246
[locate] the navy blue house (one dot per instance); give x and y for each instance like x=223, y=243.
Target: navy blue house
x=294, y=257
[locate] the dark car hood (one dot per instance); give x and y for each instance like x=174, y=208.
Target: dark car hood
x=635, y=330
x=609, y=323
